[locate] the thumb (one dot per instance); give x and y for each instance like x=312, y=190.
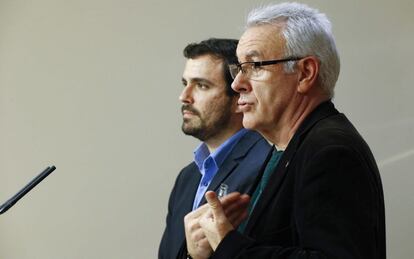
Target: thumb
x=214, y=204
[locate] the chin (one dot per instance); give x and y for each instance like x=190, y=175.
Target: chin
x=249, y=123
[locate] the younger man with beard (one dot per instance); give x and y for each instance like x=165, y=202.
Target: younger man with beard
x=229, y=153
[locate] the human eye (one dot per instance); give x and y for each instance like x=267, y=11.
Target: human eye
x=256, y=66
x=202, y=86
x=184, y=82
x=250, y=67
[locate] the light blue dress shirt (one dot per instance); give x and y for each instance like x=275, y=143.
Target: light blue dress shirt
x=209, y=164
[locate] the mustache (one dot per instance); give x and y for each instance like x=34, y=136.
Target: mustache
x=187, y=107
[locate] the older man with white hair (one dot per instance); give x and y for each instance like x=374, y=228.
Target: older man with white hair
x=320, y=193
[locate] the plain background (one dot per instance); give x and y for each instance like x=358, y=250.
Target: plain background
x=92, y=87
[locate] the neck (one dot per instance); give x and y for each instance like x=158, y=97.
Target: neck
x=215, y=141
x=296, y=112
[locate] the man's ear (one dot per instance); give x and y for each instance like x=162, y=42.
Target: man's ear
x=308, y=68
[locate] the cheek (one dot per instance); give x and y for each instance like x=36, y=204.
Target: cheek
x=202, y=104
x=212, y=106
x=262, y=98
x=265, y=107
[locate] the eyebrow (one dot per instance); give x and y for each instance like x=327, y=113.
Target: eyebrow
x=198, y=80
x=251, y=54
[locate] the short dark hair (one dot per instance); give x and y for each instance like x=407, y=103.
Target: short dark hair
x=224, y=49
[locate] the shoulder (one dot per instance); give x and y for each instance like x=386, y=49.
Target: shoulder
x=187, y=171
x=185, y=180
x=253, y=153
x=335, y=130
x=252, y=141
x=335, y=140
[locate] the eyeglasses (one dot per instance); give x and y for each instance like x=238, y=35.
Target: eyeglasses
x=253, y=70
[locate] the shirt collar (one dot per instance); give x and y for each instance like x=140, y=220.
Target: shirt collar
x=219, y=155
x=200, y=154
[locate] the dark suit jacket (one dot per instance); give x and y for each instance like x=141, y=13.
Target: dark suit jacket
x=239, y=170
x=324, y=199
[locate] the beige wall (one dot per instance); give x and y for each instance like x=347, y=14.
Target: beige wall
x=92, y=87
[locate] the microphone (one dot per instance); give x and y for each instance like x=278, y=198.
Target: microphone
x=9, y=203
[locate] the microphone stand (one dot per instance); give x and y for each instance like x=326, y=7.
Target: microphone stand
x=10, y=202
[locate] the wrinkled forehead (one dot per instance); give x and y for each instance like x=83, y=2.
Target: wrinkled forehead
x=261, y=42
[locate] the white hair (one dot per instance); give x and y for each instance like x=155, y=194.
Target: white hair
x=306, y=32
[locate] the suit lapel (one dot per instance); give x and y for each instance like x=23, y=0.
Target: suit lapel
x=282, y=169
x=231, y=162
x=194, y=178
x=275, y=181
x=224, y=171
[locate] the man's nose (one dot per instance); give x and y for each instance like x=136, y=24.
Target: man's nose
x=186, y=95
x=240, y=83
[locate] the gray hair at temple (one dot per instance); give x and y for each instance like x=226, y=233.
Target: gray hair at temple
x=307, y=32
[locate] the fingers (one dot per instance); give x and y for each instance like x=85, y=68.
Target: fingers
x=229, y=202
x=215, y=205
x=228, y=212
x=197, y=235
x=214, y=222
x=197, y=243
x=237, y=219
x=203, y=243
x=230, y=198
x=211, y=198
x=225, y=201
x=192, y=227
x=197, y=213
x=238, y=212
x=240, y=204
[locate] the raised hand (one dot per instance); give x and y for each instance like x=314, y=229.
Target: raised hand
x=222, y=216
x=233, y=206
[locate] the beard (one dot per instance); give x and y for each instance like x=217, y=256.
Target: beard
x=206, y=126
